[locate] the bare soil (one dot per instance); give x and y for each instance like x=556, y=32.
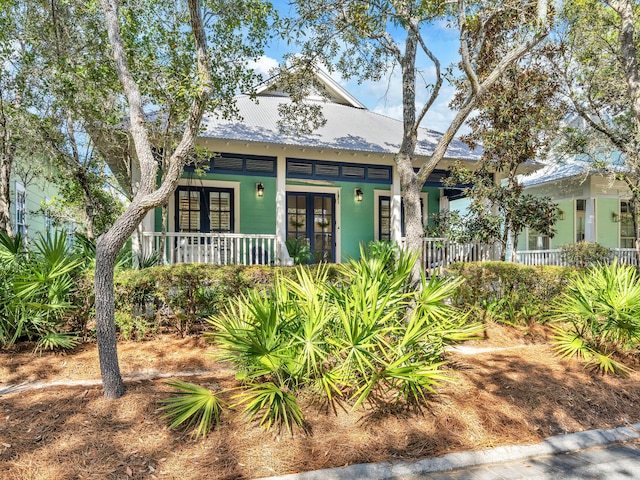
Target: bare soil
x=508, y=389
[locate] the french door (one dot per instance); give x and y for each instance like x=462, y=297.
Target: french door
x=311, y=218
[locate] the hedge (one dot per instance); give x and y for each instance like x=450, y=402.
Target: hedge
x=175, y=297
x=509, y=292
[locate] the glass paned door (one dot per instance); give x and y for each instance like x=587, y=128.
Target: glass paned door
x=311, y=217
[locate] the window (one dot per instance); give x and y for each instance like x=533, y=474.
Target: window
x=384, y=217
x=188, y=211
x=627, y=236
x=538, y=241
x=581, y=208
x=347, y=172
x=201, y=209
x=21, y=209
x=220, y=211
x=384, y=214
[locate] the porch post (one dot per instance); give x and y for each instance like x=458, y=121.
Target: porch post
x=396, y=205
x=443, y=202
x=590, y=220
x=281, y=209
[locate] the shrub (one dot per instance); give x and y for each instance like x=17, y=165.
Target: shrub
x=299, y=250
x=353, y=340
x=35, y=289
x=601, y=309
x=508, y=292
x=585, y=254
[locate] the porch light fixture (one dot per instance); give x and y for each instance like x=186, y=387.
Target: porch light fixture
x=260, y=189
x=615, y=217
x=358, y=192
x=560, y=214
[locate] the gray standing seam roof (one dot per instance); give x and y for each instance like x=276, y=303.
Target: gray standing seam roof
x=347, y=128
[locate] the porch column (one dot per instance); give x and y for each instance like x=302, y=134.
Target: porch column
x=396, y=205
x=444, y=202
x=590, y=220
x=281, y=208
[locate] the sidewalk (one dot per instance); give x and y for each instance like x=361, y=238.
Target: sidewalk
x=571, y=456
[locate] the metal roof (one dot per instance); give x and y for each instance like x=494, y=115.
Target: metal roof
x=347, y=128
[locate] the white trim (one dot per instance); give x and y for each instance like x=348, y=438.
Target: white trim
x=336, y=192
x=281, y=203
x=19, y=188
x=184, y=182
x=377, y=193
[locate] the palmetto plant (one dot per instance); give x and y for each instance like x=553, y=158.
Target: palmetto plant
x=35, y=289
x=601, y=314
x=356, y=341
x=194, y=406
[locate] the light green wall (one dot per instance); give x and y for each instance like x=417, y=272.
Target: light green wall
x=608, y=233
x=37, y=192
x=565, y=228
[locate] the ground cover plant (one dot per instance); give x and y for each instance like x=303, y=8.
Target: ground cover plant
x=366, y=339
x=600, y=311
x=35, y=289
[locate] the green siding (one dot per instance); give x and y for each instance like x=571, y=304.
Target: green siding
x=357, y=218
x=257, y=214
x=607, y=233
x=433, y=202
x=565, y=228
x=36, y=192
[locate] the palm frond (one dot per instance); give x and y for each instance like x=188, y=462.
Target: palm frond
x=194, y=406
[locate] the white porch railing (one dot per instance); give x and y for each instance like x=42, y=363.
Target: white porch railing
x=438, y=253
x=216, y=248
x=626, y=256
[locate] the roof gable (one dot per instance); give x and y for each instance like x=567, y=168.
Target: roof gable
x=332, y=91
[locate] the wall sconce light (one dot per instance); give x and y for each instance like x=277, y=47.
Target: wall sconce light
x=358, y=192
x=615, y=217
x=260, y=189
x=560, y=214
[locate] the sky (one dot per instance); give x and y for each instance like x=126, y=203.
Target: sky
x=385, y=96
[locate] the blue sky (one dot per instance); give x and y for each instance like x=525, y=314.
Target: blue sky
x=385, y=96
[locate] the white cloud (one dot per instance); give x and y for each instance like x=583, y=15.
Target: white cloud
x=264, y=65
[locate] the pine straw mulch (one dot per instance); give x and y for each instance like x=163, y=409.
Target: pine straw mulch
x=514, y=395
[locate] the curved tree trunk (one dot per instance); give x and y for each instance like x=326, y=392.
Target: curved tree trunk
x=149, y=195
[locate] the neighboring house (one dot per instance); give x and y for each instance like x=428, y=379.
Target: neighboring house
x=334, y=189
x=29, y=212
x=591, y=207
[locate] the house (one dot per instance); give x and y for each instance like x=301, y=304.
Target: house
x=30, y=196
x=591, y=207
x=333, y=189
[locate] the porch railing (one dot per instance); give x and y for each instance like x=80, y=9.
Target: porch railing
x=626, y=256
x=216, y=248
x=438, y=253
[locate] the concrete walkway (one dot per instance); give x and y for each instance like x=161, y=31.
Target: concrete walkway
x=594, y=454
